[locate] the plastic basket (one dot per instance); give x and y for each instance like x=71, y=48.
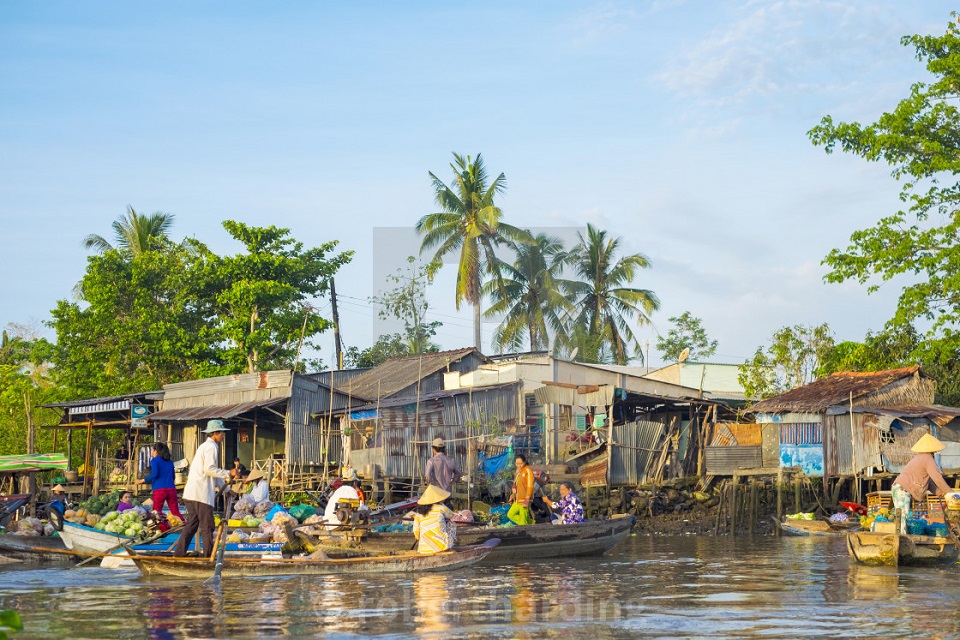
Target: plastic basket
x=879, y=500
x=916, y=527
x=936, y=529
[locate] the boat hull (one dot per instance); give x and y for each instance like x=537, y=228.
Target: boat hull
x=238, y=567
x=34, y=549
x=532, y=542
x=890, y=549
x=82, y=539
x=813, y=528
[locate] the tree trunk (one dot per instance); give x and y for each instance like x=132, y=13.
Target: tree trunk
x=476, y=326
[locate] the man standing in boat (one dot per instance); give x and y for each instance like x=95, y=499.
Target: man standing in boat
x=199, y=495
x=919, y=475
x=442, y=470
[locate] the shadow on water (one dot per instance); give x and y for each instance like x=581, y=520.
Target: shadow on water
x=650, y=586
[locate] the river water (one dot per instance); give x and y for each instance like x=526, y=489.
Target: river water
x=647, y=587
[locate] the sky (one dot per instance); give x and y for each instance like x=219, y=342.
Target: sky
x=678, y=126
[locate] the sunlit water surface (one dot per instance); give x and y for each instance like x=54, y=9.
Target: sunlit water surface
x=648, y=587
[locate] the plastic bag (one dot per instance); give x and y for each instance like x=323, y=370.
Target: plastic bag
x=269, y=513
x=301, y=512
x=263, y=508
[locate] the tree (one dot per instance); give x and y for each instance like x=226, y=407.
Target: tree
x=134, y=233
x=407, y=301
x=142, y=324
x=25, y=382
x=394, y=345
x=919, y=140
x=687, y=333
x=469, y=221
x=792, y=359
x=260, y=299
x=530, y=295
x=605, y=301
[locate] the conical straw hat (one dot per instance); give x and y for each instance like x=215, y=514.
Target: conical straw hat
x=927, y=444
x=432, y=495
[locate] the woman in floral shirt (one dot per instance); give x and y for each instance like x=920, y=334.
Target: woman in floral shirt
x=569, y=506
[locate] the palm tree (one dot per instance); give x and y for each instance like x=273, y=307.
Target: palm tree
x=133, y=233
x=605, y=301
x=469, y=222
x=531, y=295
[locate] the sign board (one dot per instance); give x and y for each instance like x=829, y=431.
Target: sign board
x=138, y=416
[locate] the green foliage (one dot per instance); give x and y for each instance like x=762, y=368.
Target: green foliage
x=792, y=359
x=140, y=325
x=25, y=380
x=394, y=345
x=687, y=333
x=259, y=299
x=530, y=294
x=134, y=233
x=469, y=222
x=10, y=622
x=918, y=244
x=407, y=301
x=605, y=300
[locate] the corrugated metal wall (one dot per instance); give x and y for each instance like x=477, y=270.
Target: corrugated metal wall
x=406, y=440
x=635, y=446
x=844, y=453
x=726, y=461
x=305, y=435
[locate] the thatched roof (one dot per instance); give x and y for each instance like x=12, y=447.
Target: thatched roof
x=399, y=373
x=838, y=388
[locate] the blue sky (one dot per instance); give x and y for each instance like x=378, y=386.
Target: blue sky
x=680, y=126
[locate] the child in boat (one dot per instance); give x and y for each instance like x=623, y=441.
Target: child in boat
x=126, y=502
x=433, y=523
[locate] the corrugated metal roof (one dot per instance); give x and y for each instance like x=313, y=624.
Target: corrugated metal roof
x=834, y=389
x=399, y=373
x=93, y=402
x=937, y=413
x=223, y=412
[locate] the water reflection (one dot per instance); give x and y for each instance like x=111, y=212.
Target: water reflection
x=667, y=587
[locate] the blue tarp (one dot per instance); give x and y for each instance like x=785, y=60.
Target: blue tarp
x=494, y=465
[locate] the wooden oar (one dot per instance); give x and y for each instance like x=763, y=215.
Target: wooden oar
x=221, y=543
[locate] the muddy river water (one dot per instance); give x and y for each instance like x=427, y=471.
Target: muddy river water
x=647, y=587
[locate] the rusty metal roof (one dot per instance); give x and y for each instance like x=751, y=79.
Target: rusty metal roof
x=224, y=412
x=832, y=390
x=397, y=374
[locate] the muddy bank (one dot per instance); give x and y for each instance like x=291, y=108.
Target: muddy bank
x=682, y=509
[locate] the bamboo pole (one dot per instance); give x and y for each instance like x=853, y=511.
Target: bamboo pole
x=86, y=463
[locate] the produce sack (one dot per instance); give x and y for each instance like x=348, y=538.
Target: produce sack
x=302, y=511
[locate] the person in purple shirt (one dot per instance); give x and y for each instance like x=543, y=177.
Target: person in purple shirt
x=126, y=502
x=569, y=505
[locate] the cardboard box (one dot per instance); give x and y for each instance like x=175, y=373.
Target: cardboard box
x=884, y=527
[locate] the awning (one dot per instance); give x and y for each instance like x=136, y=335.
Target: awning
x=35, y=462
x=224, y=412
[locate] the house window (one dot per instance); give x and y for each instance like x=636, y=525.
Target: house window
x=886, y=437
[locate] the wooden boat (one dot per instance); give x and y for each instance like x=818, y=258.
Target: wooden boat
x=34, y=549
x=537, y=541
x=405, y=561
x=816, y=528
x=891, y=549
x=83, y=539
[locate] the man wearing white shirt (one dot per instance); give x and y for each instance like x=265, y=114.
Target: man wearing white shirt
x=199, y=495
x=260, y=489
x=348, y=491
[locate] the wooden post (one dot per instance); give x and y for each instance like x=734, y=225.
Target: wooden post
x=779, y=496
x=733, y=505
x=720, y=505
x=86, y=458
x=797, y=490
x=753, y=505
x=31, y=444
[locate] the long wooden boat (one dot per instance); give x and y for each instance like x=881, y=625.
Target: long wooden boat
x=815, y=528
x=83, y=539
x=530, y=542
x=406, y=561
x=891, y=549
x=34, y=549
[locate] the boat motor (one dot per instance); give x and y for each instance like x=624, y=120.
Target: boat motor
x=349, y=513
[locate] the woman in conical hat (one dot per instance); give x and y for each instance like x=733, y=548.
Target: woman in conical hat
x=919, y=475
x=433, y=523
